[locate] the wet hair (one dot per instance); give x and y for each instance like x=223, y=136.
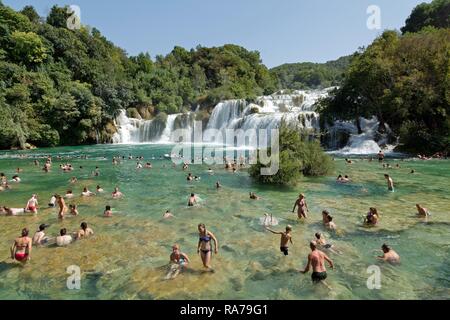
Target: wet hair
x=85, y=189
x=313, y=245
x=25, y=232
x=386, y=175
x=330, y=218
x=192, y=195
x=288, y=228
x=346, y=177
x=326, y=212
x=385, y=247
x=83, y=225
x=108, y=208
x=340, y=176
x=63, y=232
x=317, y=235
x=201, y=225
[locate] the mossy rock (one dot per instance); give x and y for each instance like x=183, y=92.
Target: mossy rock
x=133, y=113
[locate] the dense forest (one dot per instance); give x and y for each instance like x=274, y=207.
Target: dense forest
x=308, y=75
x=404, y=80
x=60, y=86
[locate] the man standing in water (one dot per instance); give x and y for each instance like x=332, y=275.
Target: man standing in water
x=286, y=237
x=380, y=156
x=390, y=182
x=302, y=206
x=316, y=259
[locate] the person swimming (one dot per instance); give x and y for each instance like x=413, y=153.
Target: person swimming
x=21, y=248
x=372, y=217
x=189, y=177
x=32, y=204
x=204, y=245
x=69, y=194
x=178, y=261
x=422, y=211
x=99, y=189
x=84, y=231
x=218, y=185
x=39, y=237
x=107, y=212
x=73, y=209
x=63, y=239
x=192, y=200
x=116, y=193
x=167, y=215
x=52, y=202
x=286, y=237
x=389, y=255
x=87, y=193
x=253, y=196
x=302, y=206
x=321, y=242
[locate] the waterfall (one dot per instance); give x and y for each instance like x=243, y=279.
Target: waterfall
x=265, y=112
x=166, y=135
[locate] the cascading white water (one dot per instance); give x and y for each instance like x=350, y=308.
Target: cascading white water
x=267, y=112
x=166, y=135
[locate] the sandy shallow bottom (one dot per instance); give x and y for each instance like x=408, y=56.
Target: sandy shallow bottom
x=128, y=256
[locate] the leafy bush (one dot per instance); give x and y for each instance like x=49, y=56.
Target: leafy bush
x=297, y=156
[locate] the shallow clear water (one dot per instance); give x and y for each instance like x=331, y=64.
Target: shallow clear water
x=127, y=256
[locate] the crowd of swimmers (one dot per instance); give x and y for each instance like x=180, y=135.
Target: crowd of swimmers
x=22, y=246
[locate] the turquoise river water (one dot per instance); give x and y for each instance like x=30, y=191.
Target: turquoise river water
x=128, y=255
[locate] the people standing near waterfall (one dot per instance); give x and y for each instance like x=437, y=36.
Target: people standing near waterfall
x=204, y=245
x=302, y=206
x=390, y=182
x=380, y=156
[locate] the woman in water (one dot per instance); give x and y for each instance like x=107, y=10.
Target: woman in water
x=99, y=189
x=422, y=211
x=69, y=194
x=87, y=193
x=192, y=200
x=178, y=260
x=302, y=206
x=204, y=245
x=21, y=249
x=73, y=209
x=116, y=193
x=108, y=212
x=84, y=231
x=372, y=217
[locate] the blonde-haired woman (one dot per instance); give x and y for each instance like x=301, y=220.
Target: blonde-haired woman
x=204, y=245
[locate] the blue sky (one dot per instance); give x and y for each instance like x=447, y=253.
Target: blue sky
x=283, y=31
